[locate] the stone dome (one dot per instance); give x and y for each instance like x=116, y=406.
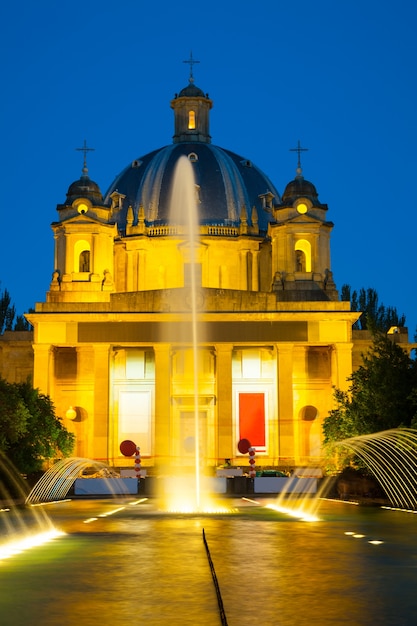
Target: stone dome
x=84, y=188
x=300, y=188
x=226, y=182
x=191, y=91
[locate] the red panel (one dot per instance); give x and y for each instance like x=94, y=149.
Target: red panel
x=252, y=418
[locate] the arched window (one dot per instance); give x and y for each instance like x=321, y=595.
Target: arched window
x=191, y=120
x=84, y=261
x=82, y=257
x=302, y=256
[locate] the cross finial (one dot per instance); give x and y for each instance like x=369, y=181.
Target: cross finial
x=299, y=149
x=85, y=149
x=191, y=62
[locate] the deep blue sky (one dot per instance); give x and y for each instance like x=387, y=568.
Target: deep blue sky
x=338, y=75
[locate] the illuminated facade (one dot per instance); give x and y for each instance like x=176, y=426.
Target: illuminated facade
x=112, y=342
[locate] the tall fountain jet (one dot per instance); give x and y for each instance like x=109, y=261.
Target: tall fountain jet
x=183, y=213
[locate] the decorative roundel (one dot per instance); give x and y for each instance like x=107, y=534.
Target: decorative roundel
x=302, y=207
x=243, y=446
x=82, y=208
x=127, y=447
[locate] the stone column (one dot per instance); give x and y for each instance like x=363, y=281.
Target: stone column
x=129, y=270
x=141, y=269
x=162, y=445
x=285, y=401
x=341, y=365
x=43, y=368
x=244, y=269
x=255, y=270
x=225, y=435
x=99, y=429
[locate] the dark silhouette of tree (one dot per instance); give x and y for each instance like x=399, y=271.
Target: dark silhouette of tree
x=375, y=316
x=8, y=318
x=7, y=312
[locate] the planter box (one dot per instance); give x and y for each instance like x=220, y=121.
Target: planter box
x=287, y=485
x=228, y=473
x=105, y=486
x=209, y=484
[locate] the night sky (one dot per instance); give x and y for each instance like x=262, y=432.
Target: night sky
x=340, y=76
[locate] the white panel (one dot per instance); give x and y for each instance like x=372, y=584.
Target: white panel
x=251, y=364
x=135, y=418
x=135, y=364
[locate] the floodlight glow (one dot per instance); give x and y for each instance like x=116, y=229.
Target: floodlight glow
x=21, y=545
x=298, y=513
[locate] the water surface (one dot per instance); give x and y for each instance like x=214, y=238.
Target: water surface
x=140, y=565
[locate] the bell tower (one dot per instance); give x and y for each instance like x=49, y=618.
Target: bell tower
x=191, y=112
x=300, y=239
x=84, y=236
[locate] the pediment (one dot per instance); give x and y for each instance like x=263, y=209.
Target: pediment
x=306, y=218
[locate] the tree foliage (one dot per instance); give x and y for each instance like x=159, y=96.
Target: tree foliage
x=375, y=315
x=8, y=318
x=31, y=433
x=382, y=394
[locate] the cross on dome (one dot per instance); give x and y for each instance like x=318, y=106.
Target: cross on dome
x=191, y=62
x=85, y=149
x=299, y=149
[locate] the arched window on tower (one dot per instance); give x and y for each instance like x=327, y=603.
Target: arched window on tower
x=191, y=120
x=84, y=261
x=302, y=256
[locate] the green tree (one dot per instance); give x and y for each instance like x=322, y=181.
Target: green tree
x=34, y=433
x=382, y=394
x=375, y=316
x=14, y=415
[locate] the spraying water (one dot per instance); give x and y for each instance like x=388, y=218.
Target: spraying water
x=391, y=456
x=183, y=210
x=57, y=481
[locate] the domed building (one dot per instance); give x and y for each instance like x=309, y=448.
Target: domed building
x=132, y=295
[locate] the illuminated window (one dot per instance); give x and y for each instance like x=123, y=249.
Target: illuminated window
x=191, y=120
x=302, y=256
x=84, y=261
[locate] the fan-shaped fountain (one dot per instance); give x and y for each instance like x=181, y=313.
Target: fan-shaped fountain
x=58, y=480
x=389, y=456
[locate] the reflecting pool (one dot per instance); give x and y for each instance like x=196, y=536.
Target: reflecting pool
x=125, y=561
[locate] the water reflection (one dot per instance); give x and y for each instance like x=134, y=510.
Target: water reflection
x=140, y=564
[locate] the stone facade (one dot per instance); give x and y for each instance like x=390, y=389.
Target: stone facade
x=113, y=343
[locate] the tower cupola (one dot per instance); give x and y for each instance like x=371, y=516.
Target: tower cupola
x=191, y=112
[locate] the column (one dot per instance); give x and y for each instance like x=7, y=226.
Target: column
x=43, y=368
x=285, y=401
x=244, y=269
x=255, y=270
x=225, y=436
x=162, y=447
x=99, y=431
x=341, y=365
